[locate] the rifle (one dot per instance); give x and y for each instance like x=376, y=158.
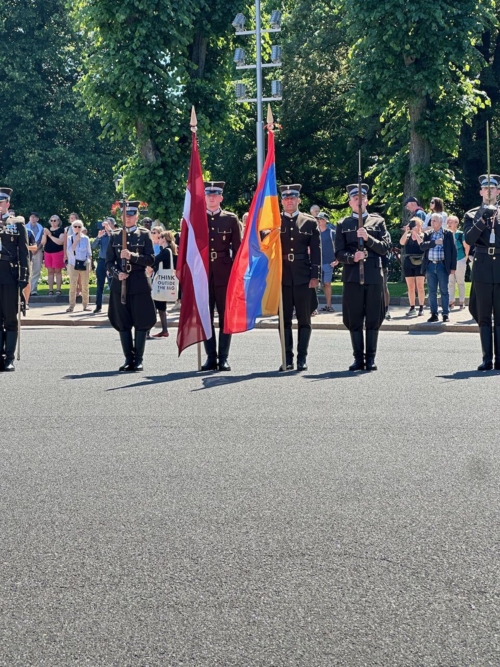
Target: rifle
x=124, y=247
x=489, y=211
x=361, y=244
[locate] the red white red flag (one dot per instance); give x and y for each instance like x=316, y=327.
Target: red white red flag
x=192, y=263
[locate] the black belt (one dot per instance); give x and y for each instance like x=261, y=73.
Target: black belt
x=291, y=257
x=215, y=255
x=487, y=251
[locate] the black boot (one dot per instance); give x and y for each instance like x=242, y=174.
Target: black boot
x=10, y=350
x=224, y=345
x=358, y=349
x=485, y=334
x=128, y=351
x=139, y=346
x=496, y=340
x=302, y=347
x=288, y=351
x=211, y=350
x=371, y=349
x=2, y=351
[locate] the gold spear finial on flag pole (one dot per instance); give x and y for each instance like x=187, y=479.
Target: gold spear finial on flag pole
x=270, y=119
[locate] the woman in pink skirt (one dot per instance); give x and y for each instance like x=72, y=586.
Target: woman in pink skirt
x=53, y=244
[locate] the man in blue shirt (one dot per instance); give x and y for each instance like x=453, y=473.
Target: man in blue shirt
x=102, y=242
x=328, y=261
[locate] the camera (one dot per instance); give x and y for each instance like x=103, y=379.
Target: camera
x=412, y=224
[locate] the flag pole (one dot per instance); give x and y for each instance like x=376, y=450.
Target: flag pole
x=281, y=321
x=194, y=127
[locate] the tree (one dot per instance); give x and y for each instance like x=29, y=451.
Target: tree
x=147, y=62
x=415, y=63
x=50, y=152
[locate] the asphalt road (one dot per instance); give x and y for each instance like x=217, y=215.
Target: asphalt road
x=249, y=518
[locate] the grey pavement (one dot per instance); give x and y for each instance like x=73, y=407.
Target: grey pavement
x=54, y=314
x=250, y=518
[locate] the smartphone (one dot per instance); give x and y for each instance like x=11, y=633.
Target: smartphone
x=99, y=225
x=412, y=224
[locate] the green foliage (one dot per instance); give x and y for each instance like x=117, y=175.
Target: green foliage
x=50, y=153
x=415, y=63
x=148, y=61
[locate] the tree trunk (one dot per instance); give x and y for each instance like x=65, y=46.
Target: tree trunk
x=420, y=149
x=199, y=54
x=148, y=148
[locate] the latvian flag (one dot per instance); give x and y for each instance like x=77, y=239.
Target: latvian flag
x=192, y=263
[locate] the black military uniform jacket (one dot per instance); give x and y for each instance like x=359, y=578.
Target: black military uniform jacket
x=486, y=262
x=140, y=244
x=14, y=255
x=377, y=245
x=300, y=248
x=224, y=236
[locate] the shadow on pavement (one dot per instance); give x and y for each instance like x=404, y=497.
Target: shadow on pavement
x=209, y=379
x=154, y=379
x=466, y=375
x=96, y=374
x=335, y=375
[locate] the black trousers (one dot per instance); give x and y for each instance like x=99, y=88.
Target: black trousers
x=217, y=297
x=139, y=312
x=9, y=296
x=300, y=297
x=484, y=303
x=363, y=304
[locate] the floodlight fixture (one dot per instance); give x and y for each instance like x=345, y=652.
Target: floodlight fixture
x=275, y=19
x=239, y=56
x=241, y=91
x=276, y=88
x=239, y=22
x=276, y=54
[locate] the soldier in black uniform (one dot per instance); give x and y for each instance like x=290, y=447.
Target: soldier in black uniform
x=362, y=304
x=301, y=254
x=482, y=229
x=14, y=276
x=139, y=311
x=224, y=240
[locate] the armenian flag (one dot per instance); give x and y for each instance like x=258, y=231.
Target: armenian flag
x=255, y=283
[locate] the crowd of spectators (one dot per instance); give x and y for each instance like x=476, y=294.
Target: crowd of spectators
x=433, y=251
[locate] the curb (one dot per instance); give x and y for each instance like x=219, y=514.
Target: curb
x=438, y=327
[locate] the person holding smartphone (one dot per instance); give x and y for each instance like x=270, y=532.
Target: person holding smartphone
x=412, y=266
x=101, y=242
x=79, y=255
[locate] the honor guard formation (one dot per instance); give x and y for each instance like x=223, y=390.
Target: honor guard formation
x=361, y=244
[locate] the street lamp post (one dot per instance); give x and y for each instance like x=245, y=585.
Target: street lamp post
x=239, y=59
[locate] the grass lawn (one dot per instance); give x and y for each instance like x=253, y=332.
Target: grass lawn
x=395, y=289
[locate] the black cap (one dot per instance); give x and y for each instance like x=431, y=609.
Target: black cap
x=133, y=207
x=323, y=216
x=292, y=190
x=353, y=189
x=5, y=193
x=35, y=214
x=410, y=200
x=214, y=187
x=494, y=180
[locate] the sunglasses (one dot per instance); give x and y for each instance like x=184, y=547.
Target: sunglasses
x=54, y=220
x=77, y=227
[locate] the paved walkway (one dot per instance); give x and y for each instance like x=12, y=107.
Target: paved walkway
x=54, y=314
